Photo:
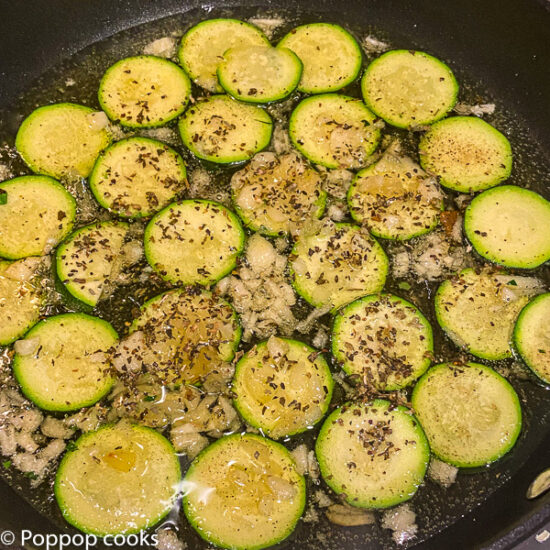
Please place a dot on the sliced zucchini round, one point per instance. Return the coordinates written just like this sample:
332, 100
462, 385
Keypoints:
85, 260
118, 480
282, 387
532, 336
466, 153
478, 312
67, 366
243, 492
409, 88
471, 415
202, 48
277, 194
259, 74
383, 339
223, 130
137, 176
37, 214
194, 242
375, 455
144, 91
187, 334
333, 130
336, 264
332, 58
20, 303
395, 198
61, 140
510, 226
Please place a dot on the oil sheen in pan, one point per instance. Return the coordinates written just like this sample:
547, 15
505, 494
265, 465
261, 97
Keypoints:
435, 507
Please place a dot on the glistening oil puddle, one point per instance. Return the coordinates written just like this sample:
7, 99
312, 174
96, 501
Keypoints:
435, 507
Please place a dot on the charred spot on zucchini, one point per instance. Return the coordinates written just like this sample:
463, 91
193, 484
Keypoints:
395, 198
203, 46
65, 366
250, 482
383, 339
282, 387
38, 213
119, 479
259, 74
470, 414
333, 130
337, 263
277, 194
144, 91
478, 310
85, 261
138, 176
185, 335
331, 56
509, 225
194, 242
408, 88
20, 302
223, 130
466, 154
532, 336
61, 140
374, 455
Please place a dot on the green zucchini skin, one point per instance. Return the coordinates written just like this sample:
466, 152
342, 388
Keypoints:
320, 46
340, 441
529, 336
378, 96
510, 226
461, 403
71, 124
41, 392
45, 213
87, 439
447, 148
212, 534
162, 91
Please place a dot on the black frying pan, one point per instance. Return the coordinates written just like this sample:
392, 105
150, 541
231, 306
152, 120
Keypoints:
499, 48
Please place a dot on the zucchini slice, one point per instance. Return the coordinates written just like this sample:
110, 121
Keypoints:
383, 339
136, 177
532, 336
478, 311
471, 415
194, 242
282, 387
20, 303
144, 91
408, 88
202, 48
223, 130
118, 480
259, 74
466, 153
336, 264
85, 260
395, 198
374, 455
243, 493
38, 213
335, 131
332, 58
61, 140
187, 334
277, 194
67, 367
510, 226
